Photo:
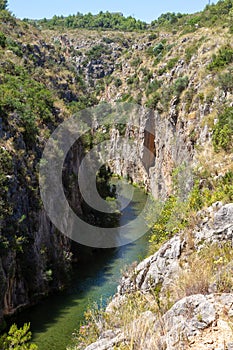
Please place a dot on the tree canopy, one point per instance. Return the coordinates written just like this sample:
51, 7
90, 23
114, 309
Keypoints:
3, 4
103, 20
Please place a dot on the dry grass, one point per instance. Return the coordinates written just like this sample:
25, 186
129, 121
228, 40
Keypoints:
131, 318
207, 271
195, 280
214, 163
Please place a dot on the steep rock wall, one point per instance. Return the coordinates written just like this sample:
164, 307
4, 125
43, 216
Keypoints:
169, 147
38, 262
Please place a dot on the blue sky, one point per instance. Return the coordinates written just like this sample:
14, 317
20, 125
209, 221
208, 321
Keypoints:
146, 10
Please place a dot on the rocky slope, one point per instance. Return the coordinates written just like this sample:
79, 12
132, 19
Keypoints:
198, 321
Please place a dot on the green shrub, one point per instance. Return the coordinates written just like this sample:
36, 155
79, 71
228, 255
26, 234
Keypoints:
108, 40
208, 190
223, 131
225, 81
171, 218
147, 74
166, 19
172, 62
222, 58
189, 52
97, 51
194, 20
152, 36
3, 4
158, 49
136, 62
133, 80
162, 70
118, 82
2, 40
152, 87
223, 7
17, 339
6, 17
125, 97
28, 100
180, 85
174, 215
153, 101
14, 47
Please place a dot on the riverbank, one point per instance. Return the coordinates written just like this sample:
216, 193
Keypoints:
178, 298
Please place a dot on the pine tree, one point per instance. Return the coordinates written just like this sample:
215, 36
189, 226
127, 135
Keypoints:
17, 339
3, 4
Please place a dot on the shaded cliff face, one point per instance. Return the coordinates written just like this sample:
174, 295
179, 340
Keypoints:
157, 149
41, 266
35, 257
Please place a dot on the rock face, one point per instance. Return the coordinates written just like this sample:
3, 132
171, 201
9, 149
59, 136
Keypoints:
198, 322
194, 322
188, 317
159, 268
159, 147
108, 342
42, 263
216, 225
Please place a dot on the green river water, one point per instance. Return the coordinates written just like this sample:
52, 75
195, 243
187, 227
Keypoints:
54, 319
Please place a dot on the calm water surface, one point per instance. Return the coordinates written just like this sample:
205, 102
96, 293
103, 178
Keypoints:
54, 319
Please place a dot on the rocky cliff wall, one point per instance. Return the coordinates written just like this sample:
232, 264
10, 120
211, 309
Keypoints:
35, 257
159, 147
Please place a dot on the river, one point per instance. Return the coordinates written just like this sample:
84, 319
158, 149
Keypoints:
54, 319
